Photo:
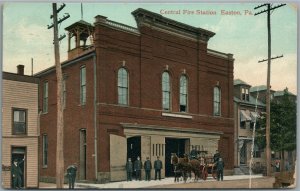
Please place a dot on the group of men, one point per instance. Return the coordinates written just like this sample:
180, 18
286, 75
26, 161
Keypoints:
137, 167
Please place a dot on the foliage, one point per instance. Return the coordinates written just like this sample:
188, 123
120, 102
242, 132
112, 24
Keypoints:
282, 127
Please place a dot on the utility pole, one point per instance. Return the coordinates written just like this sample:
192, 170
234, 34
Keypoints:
60, 111
268, 149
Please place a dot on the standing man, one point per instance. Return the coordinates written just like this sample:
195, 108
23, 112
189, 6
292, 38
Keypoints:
158, 167
138, 168
129, 167
220, 168
71, 172
193, 154
147, 167
17, 173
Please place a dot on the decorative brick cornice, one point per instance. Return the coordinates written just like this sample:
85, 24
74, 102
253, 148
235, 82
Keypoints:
145, 17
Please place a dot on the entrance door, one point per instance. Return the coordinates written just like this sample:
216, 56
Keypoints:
82, 169
243, 154
18, 153
173, 146
134, 147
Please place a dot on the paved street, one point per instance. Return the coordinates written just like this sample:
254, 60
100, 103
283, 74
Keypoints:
236, 181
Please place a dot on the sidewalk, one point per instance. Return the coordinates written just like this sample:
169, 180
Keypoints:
145, 184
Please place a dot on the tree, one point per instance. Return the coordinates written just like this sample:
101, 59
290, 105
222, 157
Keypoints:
282, 127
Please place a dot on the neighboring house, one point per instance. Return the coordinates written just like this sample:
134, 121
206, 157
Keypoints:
20, 127
247, 110
147, 91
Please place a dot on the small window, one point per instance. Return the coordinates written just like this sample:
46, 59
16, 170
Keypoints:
45, 150
243, 124
245, 94
83, 85
217, 101
45, 97
183, 93
166, 91
19, 121
123, 86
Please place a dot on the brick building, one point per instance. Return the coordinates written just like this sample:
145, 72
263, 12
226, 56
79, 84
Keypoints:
20, 128
147, 91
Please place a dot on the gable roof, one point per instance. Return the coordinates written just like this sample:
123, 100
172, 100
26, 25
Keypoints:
240, 82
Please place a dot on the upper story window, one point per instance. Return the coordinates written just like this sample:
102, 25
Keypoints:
19, 121
45, 97
82, 85
123, 86
245, 94
217, 101
166, 91
183, 93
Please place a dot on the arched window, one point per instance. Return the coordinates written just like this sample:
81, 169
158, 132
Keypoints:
166, 91
217, 101
183, 93
122, 86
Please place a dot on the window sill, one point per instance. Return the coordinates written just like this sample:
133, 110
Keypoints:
45, 166
176, 115
44, 113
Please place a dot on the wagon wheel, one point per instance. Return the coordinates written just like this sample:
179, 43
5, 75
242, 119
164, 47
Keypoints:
214, 172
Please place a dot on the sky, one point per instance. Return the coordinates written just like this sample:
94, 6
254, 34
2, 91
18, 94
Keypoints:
25, 34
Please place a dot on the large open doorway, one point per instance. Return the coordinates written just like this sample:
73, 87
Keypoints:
134, 148
19, 153
173, 145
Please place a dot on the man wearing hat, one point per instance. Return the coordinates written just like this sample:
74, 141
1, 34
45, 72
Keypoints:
137, 168
147, 167
129, 167
71, 172
17, 173
216, 156
158, 167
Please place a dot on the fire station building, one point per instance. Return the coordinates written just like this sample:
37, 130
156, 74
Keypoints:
147, 91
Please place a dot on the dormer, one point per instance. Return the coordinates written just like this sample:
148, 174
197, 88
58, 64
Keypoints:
80, 38
241, 90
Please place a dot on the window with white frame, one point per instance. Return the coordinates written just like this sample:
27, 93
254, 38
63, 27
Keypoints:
217, 101
45, 97
19, 121
83, 85
123, 86
245, 94
183, 93
45, 150
166, 91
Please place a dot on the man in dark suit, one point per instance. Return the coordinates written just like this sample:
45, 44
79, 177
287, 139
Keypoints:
220, 168
158, 167
129, 168
71, 171
148, 167
138, 168
17, 173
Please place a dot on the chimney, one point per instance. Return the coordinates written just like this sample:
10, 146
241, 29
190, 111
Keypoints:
20, 69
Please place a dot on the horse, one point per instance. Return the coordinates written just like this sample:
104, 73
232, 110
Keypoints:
181, 167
